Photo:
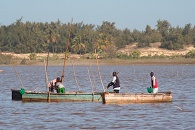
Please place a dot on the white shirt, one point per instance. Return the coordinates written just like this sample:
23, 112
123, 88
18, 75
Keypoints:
59, 85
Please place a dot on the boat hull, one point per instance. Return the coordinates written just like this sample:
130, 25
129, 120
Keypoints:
16, 95
29, 96
61, 97
120, 98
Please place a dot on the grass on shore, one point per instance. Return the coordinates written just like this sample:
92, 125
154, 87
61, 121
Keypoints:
88, 62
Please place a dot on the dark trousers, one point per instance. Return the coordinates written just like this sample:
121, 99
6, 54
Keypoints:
51, 89
116, 91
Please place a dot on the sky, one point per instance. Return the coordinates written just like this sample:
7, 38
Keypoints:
131, 14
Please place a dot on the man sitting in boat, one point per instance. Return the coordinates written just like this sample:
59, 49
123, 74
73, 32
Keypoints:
115, 82
154, 83
56, 84
59, 86
51, 85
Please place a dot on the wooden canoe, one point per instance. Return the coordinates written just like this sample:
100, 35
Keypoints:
29, 96
123, 98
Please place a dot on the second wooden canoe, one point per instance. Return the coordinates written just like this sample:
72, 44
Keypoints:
123, 98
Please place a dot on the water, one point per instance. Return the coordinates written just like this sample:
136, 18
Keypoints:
180, 114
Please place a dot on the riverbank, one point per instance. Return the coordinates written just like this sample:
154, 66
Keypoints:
102, 62
152, 55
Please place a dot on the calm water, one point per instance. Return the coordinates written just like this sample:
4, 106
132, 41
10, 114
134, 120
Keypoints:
180, 114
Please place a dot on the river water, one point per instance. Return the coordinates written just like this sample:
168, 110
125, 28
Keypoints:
179, 114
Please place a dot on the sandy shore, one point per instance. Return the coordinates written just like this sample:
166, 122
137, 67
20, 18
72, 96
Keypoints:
75, 59
104, 62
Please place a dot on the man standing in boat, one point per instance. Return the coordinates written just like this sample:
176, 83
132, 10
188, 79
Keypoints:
115, 82
154, 83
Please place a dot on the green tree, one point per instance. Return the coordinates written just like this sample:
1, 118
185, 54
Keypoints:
78, 46
163, 28
102, 42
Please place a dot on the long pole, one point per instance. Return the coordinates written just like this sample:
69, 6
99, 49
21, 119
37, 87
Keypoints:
65, 54
18, 77
46, 72
99, 71
46, 76
91, 85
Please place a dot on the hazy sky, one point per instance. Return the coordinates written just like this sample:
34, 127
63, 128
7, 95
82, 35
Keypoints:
129, 14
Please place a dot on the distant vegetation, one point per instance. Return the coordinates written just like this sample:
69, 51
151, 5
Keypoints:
5, 59
32, 37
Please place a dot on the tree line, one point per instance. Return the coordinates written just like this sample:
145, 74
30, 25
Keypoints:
38, 37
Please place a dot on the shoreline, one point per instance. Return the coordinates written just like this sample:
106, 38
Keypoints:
104, 62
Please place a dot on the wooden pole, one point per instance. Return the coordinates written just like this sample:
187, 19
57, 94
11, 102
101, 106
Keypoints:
18, 77
99, 72
46, 76
91, 85
46, 72
65, 54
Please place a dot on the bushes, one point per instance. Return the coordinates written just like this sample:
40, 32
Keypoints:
23, 62
133, 55
190, 54
32, 56
5, 59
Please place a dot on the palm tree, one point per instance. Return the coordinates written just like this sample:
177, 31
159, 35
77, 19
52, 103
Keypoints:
103, 42
78, 46
51, 37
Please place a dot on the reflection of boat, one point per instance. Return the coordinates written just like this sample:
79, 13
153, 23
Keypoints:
120, 98
29, 96
1, 70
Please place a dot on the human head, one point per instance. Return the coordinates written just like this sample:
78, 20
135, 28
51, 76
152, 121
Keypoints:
58, 79
151, 74
114, 74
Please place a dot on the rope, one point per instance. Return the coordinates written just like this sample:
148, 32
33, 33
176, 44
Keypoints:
75, 75
91, 84
92, 77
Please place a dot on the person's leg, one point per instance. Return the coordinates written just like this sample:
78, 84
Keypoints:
116, 91
52, 89
155, 90
63, 90
58, 90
